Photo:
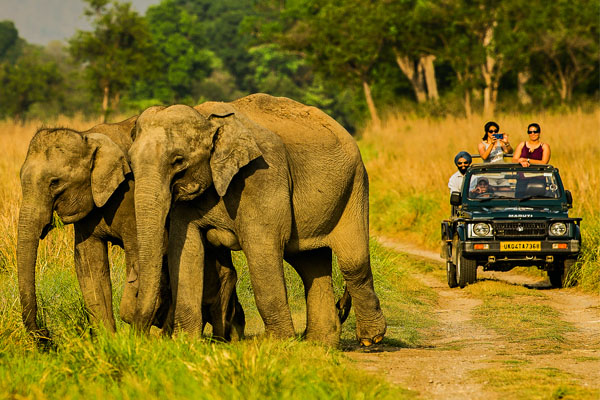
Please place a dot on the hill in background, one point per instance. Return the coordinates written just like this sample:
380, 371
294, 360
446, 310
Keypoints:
41, 21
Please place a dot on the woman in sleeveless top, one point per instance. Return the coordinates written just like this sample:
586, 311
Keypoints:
532, 151
492, 148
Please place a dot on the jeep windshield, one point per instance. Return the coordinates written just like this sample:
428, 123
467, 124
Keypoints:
512, 184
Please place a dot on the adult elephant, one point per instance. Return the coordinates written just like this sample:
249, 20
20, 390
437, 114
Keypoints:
266, 175
85, 177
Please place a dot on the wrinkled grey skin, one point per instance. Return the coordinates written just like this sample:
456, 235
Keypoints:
85, 177
266, 175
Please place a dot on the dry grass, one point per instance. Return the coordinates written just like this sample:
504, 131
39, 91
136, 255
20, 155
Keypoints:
419, 153
411, 159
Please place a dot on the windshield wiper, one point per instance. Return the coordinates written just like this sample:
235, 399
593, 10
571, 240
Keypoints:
536, 197
494, 198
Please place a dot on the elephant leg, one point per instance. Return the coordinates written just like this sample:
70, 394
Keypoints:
186, 270
351, 247
211, 300
130, 287
231, 309
227, 308
93, 273
265, 264
314, 268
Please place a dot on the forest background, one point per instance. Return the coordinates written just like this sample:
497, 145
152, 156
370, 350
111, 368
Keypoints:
357, 60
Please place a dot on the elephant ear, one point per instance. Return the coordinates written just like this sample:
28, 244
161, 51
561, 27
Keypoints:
108, 167
233, 147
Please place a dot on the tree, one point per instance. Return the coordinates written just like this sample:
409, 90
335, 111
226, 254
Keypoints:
119, 50
409, 32
10, 44
183, 59
341, 40
26, 82
566, 49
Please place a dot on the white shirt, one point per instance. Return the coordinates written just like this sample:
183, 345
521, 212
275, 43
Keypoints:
455, 182
496, 155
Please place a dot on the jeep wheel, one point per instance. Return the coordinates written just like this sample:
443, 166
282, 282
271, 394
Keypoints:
451, 274
466, 270
558, 275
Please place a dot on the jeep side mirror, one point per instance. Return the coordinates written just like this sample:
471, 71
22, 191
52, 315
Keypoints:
455, 198
569, 198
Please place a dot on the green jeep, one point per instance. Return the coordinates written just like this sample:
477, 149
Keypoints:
507, 216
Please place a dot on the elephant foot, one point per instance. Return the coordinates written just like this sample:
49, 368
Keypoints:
370, 329
365, 342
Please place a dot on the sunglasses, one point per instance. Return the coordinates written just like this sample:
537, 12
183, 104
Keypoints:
482, 184
463, 163
493, 131
532, 132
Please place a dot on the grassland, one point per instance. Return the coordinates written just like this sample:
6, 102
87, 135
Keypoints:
82, 365
410, 160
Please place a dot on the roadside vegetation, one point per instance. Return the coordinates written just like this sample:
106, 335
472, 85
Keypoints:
409, 198
79, 364
410, 160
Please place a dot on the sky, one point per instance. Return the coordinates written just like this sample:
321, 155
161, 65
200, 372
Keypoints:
42, 21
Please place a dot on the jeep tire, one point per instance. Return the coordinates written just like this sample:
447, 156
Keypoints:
559, 273
451, 274
466, 269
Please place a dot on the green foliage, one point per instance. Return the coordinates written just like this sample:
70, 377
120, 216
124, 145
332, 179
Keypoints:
10, 45
118, 51
182, 61
322, 53
29, 80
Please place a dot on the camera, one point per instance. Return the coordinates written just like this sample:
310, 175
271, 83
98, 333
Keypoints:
498, 135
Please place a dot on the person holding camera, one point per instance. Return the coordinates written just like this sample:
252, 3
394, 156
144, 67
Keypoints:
494, 144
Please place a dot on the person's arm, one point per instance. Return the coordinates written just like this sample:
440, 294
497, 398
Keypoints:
482, 150
545, 155
506, 147
517, 154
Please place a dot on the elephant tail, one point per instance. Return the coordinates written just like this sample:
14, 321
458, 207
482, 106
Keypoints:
343, 305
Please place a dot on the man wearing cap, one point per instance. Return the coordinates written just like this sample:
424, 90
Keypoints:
462, 161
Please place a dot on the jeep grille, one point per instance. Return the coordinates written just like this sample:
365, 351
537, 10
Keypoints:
520, 229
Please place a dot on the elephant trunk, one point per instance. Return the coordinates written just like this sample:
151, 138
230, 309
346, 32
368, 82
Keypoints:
152, 204
32, 223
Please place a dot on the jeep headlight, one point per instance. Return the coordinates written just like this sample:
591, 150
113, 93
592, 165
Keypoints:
482, 229
558, 229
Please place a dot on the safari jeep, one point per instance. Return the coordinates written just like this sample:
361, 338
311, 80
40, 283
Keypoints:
520, 219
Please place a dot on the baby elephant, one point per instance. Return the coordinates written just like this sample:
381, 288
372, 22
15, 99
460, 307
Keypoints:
85, 178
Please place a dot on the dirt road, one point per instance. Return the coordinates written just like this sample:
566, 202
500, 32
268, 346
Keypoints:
444, 367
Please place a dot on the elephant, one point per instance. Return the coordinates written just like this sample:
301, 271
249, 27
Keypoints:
266, 175
85, 178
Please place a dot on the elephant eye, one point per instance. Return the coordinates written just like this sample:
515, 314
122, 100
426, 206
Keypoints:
54, 182
177, 160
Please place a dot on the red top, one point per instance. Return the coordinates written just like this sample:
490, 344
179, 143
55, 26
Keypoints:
535, 154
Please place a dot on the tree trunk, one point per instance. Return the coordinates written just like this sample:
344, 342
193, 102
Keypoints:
371, 104
522, 79
468, 111
487, 71
407, 66
426, 65
116, 100
105, 98
461, 79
